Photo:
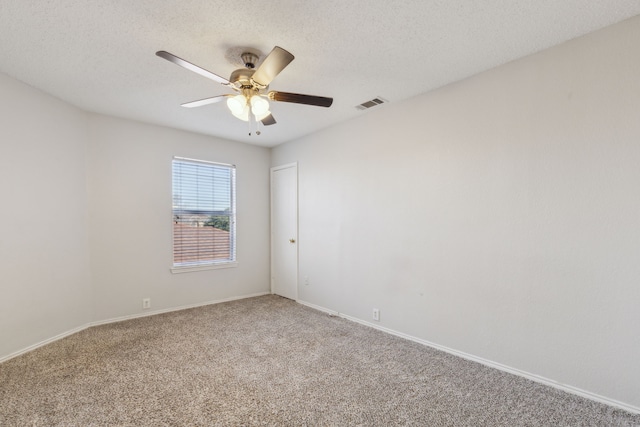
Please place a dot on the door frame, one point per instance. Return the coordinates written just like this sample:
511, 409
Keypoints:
271, 219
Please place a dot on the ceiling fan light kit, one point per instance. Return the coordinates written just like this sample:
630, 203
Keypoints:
240, 107
252, 101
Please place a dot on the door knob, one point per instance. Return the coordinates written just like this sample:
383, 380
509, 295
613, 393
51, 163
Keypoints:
292, 240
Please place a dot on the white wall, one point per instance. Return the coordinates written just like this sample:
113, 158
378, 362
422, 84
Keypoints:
85, 220
130, 218
497, 216
44, 246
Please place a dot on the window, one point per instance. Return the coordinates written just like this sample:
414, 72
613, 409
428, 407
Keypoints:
203, 215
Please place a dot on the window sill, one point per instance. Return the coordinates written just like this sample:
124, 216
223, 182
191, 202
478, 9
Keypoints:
190, 268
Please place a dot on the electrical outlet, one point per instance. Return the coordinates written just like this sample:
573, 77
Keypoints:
146, 303
306, 280
376, 314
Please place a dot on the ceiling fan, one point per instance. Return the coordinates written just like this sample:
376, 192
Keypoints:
250, 102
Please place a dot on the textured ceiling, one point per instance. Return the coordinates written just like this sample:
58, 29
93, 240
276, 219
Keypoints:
100, 55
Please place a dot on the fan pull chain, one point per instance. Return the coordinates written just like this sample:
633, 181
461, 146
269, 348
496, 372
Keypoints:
252, 119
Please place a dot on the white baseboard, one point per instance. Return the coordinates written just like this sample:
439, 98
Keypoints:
319, 308
169, 310
486, 362
41, 343
120, 319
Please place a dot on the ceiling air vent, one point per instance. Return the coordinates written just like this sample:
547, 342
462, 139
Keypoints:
375, 101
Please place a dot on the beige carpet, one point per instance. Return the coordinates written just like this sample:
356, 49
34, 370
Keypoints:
268, 361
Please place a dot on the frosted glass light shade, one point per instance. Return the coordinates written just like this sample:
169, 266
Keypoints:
237, 104
259, 105
243, 114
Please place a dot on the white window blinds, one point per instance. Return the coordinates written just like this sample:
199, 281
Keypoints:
203, 213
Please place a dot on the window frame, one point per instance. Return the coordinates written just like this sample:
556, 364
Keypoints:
184, 267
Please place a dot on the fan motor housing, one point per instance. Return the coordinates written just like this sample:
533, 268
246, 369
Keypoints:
242, 76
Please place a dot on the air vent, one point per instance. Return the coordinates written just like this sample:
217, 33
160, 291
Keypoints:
375, 101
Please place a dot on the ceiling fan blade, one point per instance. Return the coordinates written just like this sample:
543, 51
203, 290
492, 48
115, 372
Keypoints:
271, 66
269, 120
205, 101
189, 66
318, 101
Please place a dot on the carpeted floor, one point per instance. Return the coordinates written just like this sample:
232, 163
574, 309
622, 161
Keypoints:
268, 361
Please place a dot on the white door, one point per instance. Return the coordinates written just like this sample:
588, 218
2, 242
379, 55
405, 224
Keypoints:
284, 231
